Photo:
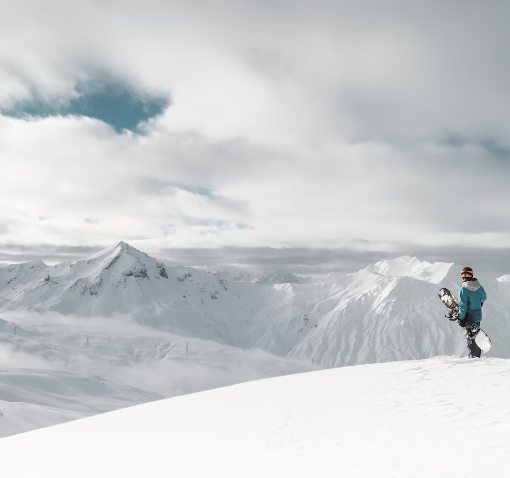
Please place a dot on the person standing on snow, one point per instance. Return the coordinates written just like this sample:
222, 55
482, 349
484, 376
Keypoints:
471, 298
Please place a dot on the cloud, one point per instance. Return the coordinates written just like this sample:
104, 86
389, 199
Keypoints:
51, 254
155, 186
306, 261
340, 127
318, 71
488, 262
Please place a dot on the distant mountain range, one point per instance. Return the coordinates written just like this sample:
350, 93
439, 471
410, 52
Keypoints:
388, 311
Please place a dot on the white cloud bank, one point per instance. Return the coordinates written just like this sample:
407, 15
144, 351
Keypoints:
292, 124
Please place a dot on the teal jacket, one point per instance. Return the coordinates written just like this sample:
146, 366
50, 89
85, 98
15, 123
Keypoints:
471, 298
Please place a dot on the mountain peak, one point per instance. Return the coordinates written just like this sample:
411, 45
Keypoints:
121, 246
124, 259
279, 277
35, 264
407, 266
118, 248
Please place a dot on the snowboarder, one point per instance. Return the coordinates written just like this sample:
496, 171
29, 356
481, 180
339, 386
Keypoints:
471, 298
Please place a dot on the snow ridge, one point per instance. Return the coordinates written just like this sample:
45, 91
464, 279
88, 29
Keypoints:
407, 266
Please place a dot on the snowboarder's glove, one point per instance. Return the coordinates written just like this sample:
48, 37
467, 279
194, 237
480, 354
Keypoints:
462, 322
452, 316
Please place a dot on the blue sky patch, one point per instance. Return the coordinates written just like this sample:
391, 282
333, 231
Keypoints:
493, 146
114, 102
215, 223
154, 186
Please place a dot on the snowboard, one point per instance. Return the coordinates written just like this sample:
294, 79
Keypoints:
481, 338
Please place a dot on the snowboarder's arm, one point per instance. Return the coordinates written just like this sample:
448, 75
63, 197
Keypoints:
484, 296
463, 303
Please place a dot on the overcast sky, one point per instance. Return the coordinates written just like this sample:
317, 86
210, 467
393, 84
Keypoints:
304, 135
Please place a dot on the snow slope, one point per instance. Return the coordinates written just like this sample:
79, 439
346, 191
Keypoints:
32, 398
440, 417
59, 368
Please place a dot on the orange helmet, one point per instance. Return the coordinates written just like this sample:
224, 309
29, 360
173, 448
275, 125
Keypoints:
467, 272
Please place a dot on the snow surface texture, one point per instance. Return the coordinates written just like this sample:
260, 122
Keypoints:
439, 417
158, 331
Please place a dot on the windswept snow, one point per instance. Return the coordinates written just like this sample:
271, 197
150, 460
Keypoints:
505, 278
440, 417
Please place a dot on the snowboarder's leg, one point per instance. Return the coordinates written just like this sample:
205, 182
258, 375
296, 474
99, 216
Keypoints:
473, 349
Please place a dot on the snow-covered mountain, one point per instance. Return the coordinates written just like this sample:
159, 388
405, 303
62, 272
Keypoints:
407, 266
268, 277
280, 278
440, 417
144, 330
388, 311
123, 280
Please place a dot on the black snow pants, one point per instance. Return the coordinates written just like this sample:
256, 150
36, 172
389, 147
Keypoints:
471, 330
473, 349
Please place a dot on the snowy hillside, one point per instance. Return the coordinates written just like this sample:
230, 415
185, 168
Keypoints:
403, 419
55, 368
34, 398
